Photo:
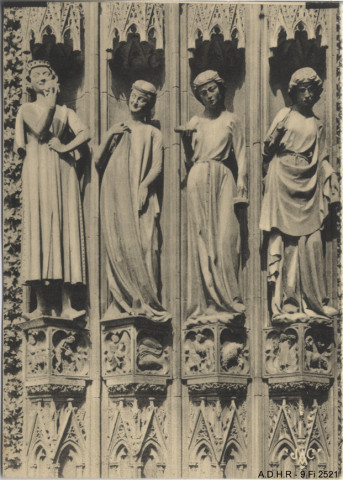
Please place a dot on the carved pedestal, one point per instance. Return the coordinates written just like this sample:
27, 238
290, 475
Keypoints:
298, 364
136, 363
56, 367
299, 353
215, 353
216, 371
135, 351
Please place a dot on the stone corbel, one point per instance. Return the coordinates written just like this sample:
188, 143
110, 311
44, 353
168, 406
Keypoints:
299, 357
55, 356
136, 355
216, 358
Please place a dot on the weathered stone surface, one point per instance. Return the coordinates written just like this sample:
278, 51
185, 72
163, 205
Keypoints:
226, 390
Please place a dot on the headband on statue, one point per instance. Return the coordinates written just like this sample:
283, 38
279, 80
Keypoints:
207, 77
305, 75
146, 88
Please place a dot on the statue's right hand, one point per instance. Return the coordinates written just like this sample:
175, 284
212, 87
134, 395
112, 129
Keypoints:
51, 96
119, 128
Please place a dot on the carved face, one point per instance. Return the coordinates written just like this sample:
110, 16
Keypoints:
210, 94
40, 78
305, 95
138, 101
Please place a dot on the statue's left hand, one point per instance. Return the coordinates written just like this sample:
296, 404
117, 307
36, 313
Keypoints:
142, 196
55, 144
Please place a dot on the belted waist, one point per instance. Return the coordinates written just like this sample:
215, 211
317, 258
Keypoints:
307, 156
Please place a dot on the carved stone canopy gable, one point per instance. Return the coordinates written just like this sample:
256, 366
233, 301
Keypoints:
55, 426
297, 433
54, 32
134, 40
205, 20
294, 18
298, 38
216, 39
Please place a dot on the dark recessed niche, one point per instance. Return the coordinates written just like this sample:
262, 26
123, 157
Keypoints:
223, 56
295, 53
134, 59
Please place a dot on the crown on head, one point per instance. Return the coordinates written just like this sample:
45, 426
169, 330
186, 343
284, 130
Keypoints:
38, 63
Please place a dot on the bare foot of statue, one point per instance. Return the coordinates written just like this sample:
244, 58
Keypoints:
329, 311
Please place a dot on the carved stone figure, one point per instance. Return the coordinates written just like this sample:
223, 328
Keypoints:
64, 353
131, 157
213, 229
282, 352
199, 352
299, 186
70, 353
150, 354
37, 353
318, 352
52, 227
117, 352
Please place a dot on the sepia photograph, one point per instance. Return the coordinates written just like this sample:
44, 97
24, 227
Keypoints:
171, 239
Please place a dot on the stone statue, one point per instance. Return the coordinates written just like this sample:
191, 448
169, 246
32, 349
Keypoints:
52, 227
213, 291
131, 158
299, 185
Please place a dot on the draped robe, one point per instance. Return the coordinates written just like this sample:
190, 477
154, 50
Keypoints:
131, 237
213, 229
52, 226
298, 190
